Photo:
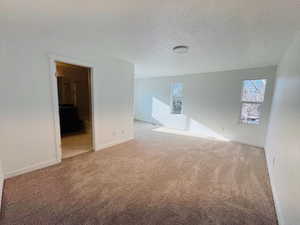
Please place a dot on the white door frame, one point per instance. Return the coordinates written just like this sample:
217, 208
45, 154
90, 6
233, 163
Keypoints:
55, 103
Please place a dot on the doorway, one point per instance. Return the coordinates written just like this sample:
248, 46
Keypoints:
75, 108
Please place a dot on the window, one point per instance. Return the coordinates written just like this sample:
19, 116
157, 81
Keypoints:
176, 98
253, 94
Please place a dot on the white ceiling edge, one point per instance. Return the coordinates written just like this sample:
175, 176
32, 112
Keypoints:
136, 76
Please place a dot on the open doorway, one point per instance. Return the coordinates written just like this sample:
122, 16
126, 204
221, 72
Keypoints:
75, 108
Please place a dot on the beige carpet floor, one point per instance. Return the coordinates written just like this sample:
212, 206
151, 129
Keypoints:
156, 179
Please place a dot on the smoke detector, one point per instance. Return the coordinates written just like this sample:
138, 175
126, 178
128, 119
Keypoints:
181, 49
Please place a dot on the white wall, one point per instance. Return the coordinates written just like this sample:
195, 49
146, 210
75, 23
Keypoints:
283, 139
27, 127
211, 103
1, 150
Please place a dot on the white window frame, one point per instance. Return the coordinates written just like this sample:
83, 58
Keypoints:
251, 102
172, 97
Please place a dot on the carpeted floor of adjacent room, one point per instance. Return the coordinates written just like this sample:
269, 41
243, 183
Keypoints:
156, 179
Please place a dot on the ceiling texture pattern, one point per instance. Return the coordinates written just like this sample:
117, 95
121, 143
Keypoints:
221, 35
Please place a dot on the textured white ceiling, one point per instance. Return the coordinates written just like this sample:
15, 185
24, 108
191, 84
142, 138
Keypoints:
221, 34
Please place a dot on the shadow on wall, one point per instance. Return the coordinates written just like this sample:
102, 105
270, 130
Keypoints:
180, 124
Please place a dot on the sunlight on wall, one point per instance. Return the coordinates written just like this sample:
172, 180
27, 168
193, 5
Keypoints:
180, 124
203, 131
161, 112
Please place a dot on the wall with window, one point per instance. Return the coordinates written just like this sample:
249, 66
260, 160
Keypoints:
211, 104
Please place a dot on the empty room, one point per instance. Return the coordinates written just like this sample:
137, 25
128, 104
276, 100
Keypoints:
150, 112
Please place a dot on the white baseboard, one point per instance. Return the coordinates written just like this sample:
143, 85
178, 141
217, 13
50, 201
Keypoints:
110, 144
22, 171
50, 163
31, 168
145, 121
55, 161
275, 196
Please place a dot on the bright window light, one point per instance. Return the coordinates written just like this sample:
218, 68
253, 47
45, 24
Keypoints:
176, 98
253, 94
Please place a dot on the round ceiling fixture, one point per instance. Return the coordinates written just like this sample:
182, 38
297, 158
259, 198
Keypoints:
181, 49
